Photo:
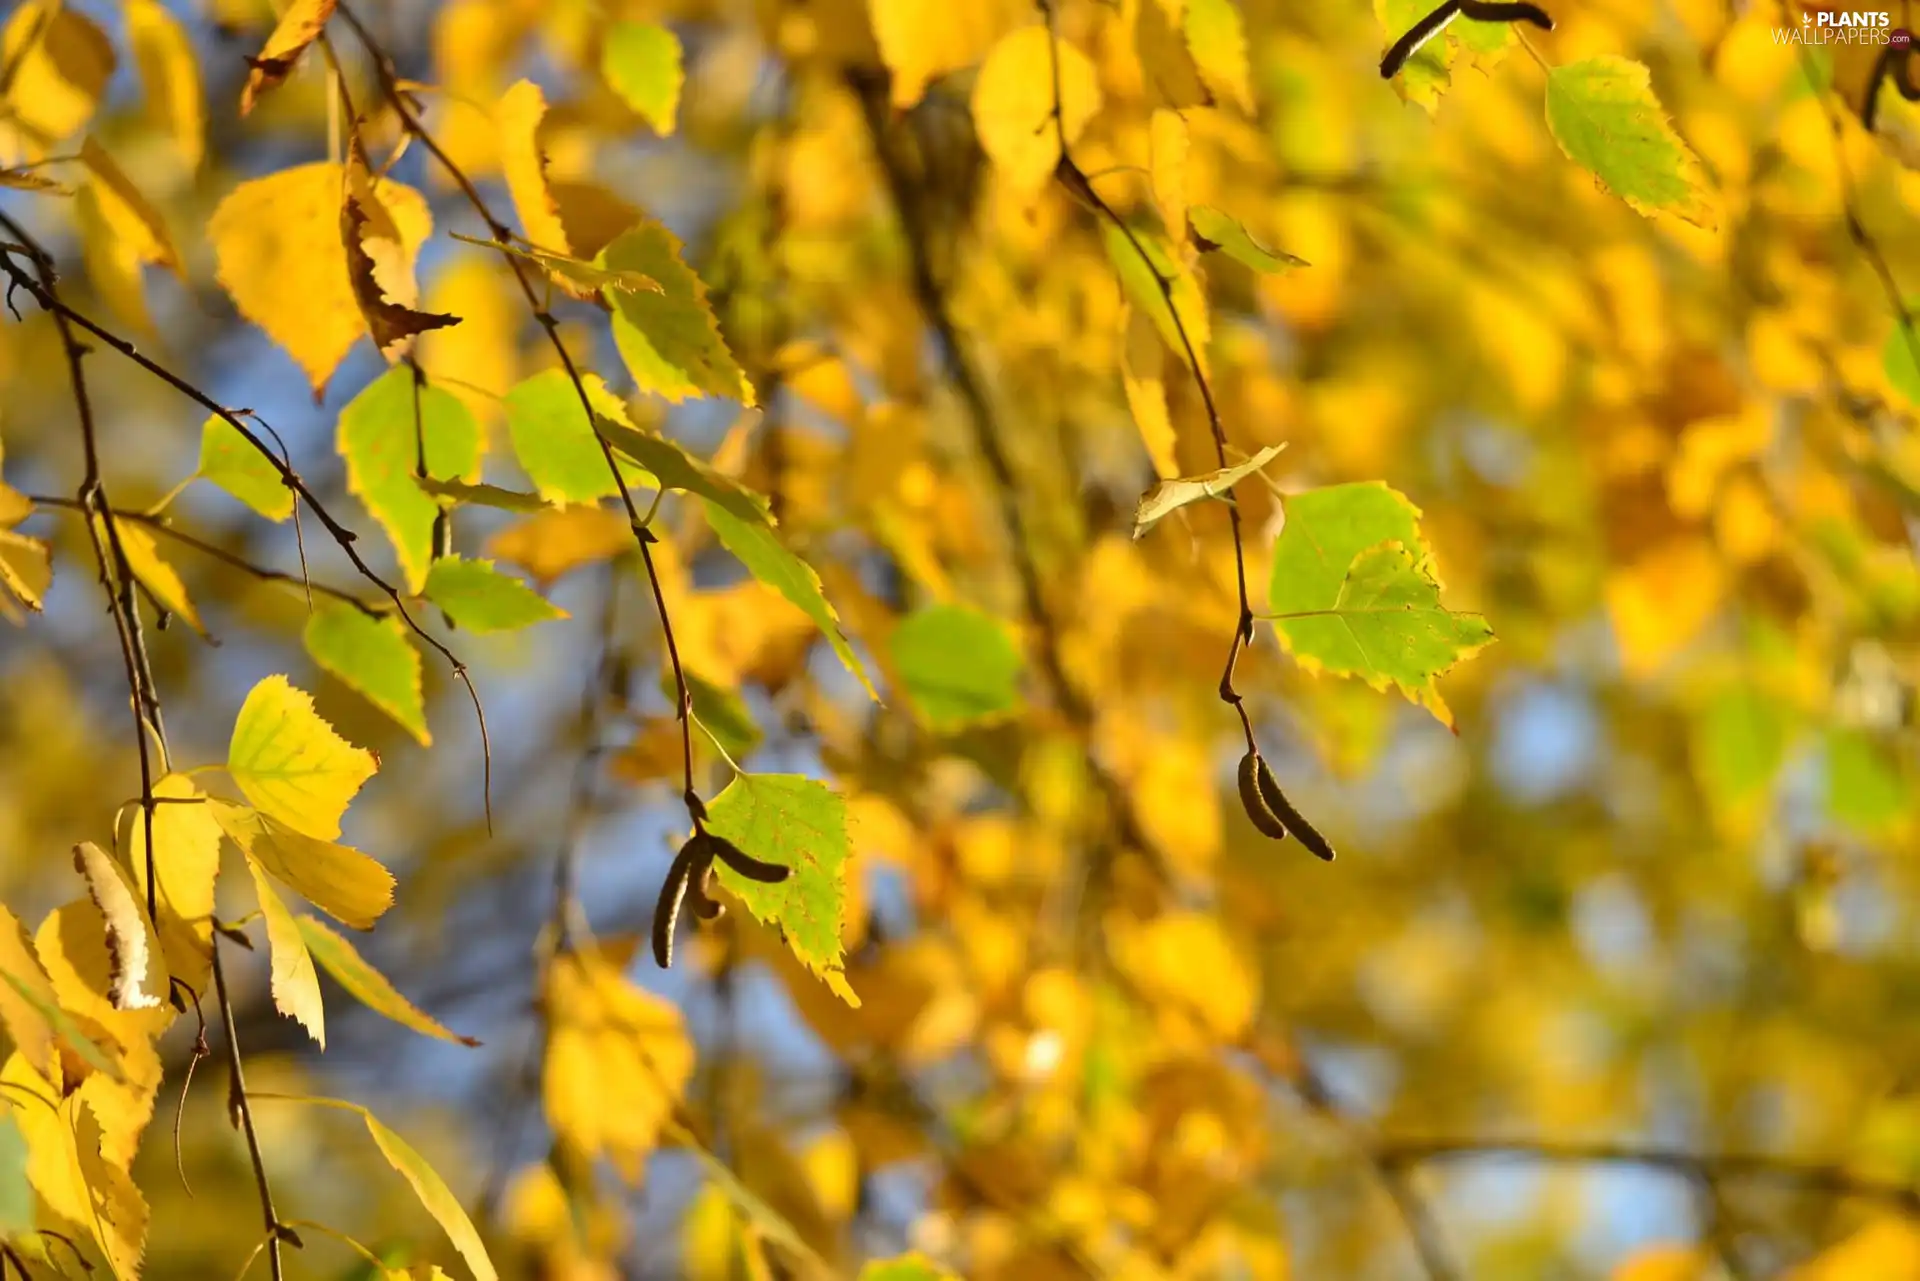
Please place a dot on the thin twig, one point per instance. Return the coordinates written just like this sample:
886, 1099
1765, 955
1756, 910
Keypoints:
240, 1103
160, 525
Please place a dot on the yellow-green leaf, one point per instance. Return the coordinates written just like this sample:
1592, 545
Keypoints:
230, 462
373, 656
670, 340
555, 441
1605, 117
291, 764
367, 985
1150, 272
186, 863
641, 63
1224, 233
482, 599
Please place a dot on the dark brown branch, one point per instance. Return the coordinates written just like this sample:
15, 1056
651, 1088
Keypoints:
239, 1103
1435, 22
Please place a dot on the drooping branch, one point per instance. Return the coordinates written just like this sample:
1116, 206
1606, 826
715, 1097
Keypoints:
644, 537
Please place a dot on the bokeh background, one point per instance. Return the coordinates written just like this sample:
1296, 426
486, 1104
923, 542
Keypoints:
1657, 891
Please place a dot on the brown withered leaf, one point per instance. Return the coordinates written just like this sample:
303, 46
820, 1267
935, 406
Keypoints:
377, 268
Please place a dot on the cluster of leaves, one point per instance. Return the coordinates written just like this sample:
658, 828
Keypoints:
1013, 720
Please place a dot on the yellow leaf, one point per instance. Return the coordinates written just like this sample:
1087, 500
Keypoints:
280, 255
552, 544
1217, 39
1184, 962
291, 764
138, 978
342, 882
1662, 601
1663, 1263
1167, 148
367, 985
427, 1185
26, 994
142, 550
169, 76
61, 63
120, 232
519, 114
26, 571
1887, 1249
126, 211
618, 1059
66, 1166
186, 860
1013, 104
299, 26
380, 268
73, 947
478, 360
920, 42
296, 987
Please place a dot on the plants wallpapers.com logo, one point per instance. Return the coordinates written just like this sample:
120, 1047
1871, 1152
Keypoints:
1844, 26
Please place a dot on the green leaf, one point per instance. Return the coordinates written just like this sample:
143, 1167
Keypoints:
1352, 597
767, 558
1168, 496
581, 279
1741, 742
1902, 372
482, 599
1865, 789
641, 63
365, 984
554, 440
373, 657
959, 666
484, 495
674, 468
908, 1267
802, 824
1224, 233
16, 1194
1143, 259
427, 1185
229, 461
669, 340
1604, 115
381, 444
